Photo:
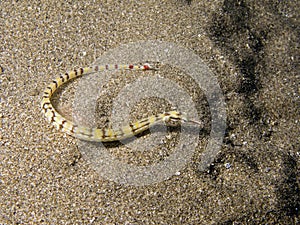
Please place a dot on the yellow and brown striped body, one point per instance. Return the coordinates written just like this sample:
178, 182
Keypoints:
104, 134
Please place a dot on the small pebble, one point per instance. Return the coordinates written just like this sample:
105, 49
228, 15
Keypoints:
227, 165
267, 169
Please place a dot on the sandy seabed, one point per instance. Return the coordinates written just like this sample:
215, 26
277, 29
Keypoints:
252, 48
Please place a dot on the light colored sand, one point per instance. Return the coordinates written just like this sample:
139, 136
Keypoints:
44, 179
